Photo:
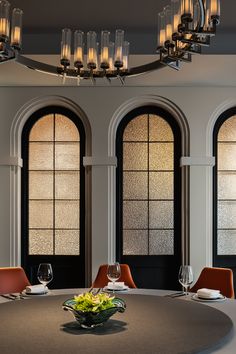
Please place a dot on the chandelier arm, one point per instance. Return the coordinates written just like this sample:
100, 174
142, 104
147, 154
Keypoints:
36, 65
141, 69
71, 73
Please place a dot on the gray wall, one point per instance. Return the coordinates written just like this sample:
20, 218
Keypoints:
200, 105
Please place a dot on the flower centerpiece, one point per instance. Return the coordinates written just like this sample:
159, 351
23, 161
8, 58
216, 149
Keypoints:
93, 310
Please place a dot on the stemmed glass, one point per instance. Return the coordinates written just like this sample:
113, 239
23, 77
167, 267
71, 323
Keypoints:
185, 277
113, 273
45, 274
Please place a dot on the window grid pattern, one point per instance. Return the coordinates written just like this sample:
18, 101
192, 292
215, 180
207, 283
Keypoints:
54, 186
148, 187
226, 188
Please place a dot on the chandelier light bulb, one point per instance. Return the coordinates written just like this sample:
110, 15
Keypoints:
78, 49
105, 40
187, 10
91, 50
161, 30
126, 55
4, 20
119, 41
16, 30
111, 55
66, 47
175, 15
168, 18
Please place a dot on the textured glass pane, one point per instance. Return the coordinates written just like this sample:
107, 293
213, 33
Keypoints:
42, 130
135, 156
226, 214
135, 242
67, 156
161, 242
226, 156
67, 242
40, 242
40, 156
65, 129
67, 185
135, 185
226, 242
226, 185
161, 156
40, 214
227, 131
135, 215
160, 214
67, 214
161, 185
159, 129
137, 129
40, 185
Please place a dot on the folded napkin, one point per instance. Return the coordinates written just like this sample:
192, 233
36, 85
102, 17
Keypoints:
119, 285
36, 289
208, 293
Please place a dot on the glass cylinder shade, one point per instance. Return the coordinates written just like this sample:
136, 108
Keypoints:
105, 40
66, 47
78, 49
168, 18
111, 55
91, 49
16, 30
119, 41
187, 9
4, 20
161, 30
175, 15
214, 9
126, 55
195, 15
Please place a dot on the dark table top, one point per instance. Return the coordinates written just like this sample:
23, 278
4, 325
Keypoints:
150, 324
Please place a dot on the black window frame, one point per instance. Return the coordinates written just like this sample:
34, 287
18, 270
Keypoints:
147, 260
224, 261
56, 259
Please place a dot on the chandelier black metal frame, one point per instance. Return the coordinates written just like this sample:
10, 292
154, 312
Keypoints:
184, 27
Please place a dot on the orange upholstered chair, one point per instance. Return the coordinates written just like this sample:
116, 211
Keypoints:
102, 280
216, 278
12, 280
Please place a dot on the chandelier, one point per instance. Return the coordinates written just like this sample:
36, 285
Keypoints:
184, 27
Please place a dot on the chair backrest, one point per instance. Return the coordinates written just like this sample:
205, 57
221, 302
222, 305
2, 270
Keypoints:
216, 278
12, 280
126, 276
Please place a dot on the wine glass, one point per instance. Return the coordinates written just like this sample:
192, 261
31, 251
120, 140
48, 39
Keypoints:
113, 273
45, 274
185, 277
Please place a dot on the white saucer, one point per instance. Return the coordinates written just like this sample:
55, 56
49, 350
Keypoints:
35, 294
125, 288
217, 299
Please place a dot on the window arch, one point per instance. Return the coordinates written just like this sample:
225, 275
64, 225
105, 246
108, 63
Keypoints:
148, 147
224, 217
53, 194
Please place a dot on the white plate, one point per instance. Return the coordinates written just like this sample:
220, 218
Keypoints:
125, 288
35, 294
200, 299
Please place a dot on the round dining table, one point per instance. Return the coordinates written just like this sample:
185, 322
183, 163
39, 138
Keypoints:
152, 323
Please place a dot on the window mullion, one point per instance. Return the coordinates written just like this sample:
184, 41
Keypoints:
54, 211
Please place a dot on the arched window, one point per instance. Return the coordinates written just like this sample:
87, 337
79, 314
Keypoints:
148, 196
53, 200
225, 190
